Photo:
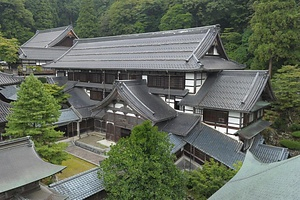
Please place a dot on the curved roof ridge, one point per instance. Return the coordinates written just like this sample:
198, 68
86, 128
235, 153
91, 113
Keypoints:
54, 29
154, 34
54, 41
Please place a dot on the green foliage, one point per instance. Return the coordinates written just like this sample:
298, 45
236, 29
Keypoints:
296, 134
227, 13
176, 18
42, 13
131, 16
286, 85
142, 167
276, 29
236, 45
8, 49
294, 145
68, 11
202, 183
295, 127
15, 20
33, 114
57, 92
85, 24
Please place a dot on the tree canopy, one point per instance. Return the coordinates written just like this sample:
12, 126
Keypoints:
8, 49
285, 110
142, 167
204, 182
85, 24
276, 33
15, 20
176, 18
33, 114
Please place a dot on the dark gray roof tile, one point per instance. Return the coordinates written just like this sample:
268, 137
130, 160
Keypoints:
4, 111
256, 180
9, 92
45, 54
215, 144
267, 153
21, 153
175, 50
173, 92
253, 129
67, 116
177, 141
136, 94
9, 79
180, 125
237, 90
49, 37
79, 98
80, 186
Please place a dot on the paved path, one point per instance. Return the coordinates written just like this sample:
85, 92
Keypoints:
85, 154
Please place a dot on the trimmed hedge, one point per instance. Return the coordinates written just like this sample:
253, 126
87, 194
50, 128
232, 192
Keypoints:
294, 145
296, 134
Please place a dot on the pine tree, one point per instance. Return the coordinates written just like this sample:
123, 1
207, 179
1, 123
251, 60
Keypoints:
15, 20
33, 114
42, 13
86, 25
142, 167
276, 34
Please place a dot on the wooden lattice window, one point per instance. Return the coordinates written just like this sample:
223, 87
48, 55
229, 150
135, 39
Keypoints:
215, 116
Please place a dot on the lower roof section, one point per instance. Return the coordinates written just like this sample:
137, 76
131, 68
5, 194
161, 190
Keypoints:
216, 144
80, 186
253, 129
180, 125
21, 164
256, 180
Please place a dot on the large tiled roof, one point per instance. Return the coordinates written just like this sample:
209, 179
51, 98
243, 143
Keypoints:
45, 54
49, 37
135, 93
237, 90
21, 165
181, 125
81, 102
9, 79
79, 98
174, 50
173, 92
80, 186
67, 116
9, 92
253, 129
4, 111
267, 153
177, 141
256, 180
215, 144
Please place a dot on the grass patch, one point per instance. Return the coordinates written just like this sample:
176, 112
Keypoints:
74, 166
296, 134
294, 145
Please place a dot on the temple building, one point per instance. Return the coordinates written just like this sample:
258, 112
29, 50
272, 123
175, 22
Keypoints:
21, 171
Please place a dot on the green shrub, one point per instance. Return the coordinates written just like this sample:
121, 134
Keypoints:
296, 134
290, 144
294, 127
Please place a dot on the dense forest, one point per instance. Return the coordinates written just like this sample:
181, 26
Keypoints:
262, 34
245, 23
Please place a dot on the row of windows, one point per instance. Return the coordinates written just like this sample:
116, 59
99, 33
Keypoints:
158, 81
99, 78
215, 116
164, 81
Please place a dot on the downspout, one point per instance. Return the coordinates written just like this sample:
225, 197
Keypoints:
78, 122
